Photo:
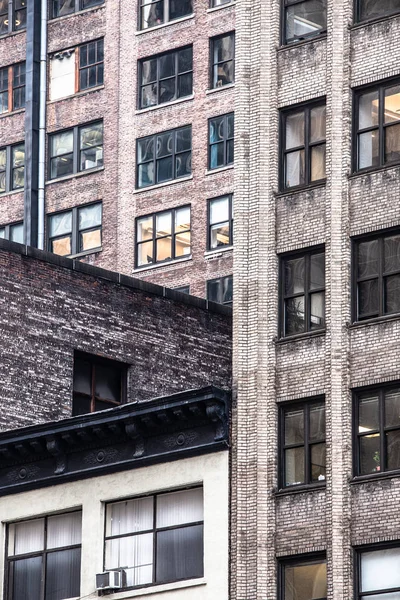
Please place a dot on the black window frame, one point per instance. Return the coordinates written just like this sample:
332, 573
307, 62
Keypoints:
357, 14
174, 154
8, 230
381, 276
297, 560
154, 238
305, 405
358, 552
154, 531
98, 65
175, 52
306, 253
79, 6
75, 229
15, 77
11, 168
76, 150
220, 281
212, 3
226, 141
285, 4
210, 225
39, 553
11, 16
214, 65
165, 11
305, 107
380, 390
379, 87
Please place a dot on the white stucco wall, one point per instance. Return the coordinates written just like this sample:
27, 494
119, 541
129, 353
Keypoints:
91, 494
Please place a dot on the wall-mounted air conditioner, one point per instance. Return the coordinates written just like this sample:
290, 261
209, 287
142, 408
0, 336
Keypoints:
109, 580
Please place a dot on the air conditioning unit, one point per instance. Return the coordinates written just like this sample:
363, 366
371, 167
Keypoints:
109, 580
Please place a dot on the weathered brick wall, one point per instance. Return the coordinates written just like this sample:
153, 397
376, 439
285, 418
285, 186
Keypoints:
49, 310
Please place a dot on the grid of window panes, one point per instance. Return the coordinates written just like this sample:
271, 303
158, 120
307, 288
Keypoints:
303, 292
44, 558
305, 580
74, 231
12, 15
379, 574
378, 430
91, 64
222, 60
378, 276
303, 459
18, 91
374, 9
60, 8
157, 12
13, 232
97, 384
77, 149
156, 539
166, 77
12, 88
4, 90
220, 290
220, 219
164, 157
221, 143
304, 146
163, 236
303, 19
378, 126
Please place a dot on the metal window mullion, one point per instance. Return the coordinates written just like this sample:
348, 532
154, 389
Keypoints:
10, 15
173, 233
9, 169
74, 232
77, 5
76, 150
176, 74
166, 11
10, 89
230, 219
174, 152
307, 299
307, 149
307, 448
154, 537
158, 87
381, 290
381, 128
382, 445
154, 238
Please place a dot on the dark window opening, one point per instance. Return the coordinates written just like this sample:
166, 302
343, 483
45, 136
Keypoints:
12, 88
303, 579
222, 54
157, 12
12, 168
76, 150
13, 232
367, 10
303, 19
61, 8
220, 222
220, 290
221, 141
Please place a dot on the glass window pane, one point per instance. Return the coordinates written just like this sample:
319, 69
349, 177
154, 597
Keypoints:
179, 554
370, 456
183, 164
368, 259
184, 139
146, 149
220, 235
368, 298
134, 552
89, 240
392, 143
368, 413
224, 48
317, 422
368, 110
219, 210
182, 219
294, 466
372, 9
393, 450
392, 253
165, 170
217, 157
90, 216
82, 376
130, 516
26, 576
294, 426
63, 574
318, 124
64, 530
144, 229
181, 507
305, 19
145, 253
318, 462
167, 90
17, 233
368, 149
61, 246
27, 536
60, 224
294, 129
146, 175
294, 276
180, 8
164, 249
317, 319
216, 131
295, 171
182, 244
62, 166
18, 155
185, 85
149, 70
167, 65
163, 224
91, 136
164, 144
62, 143
108, 383
392, 104
318, 162
317, 275
306, 581
380, 570
392, 408
392, 294
294, 316
185, 60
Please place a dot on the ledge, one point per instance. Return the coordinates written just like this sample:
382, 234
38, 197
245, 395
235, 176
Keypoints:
301, 189
142, 111
74, 175
220, 170
151, 266
300, 489
156, 186
301, 336
315, 38
162, 25
12, 113
216, 252
226, 5
97, 88
374, 321
156, 589
372, 170
374, 477
77, 13
367, 22
228, 86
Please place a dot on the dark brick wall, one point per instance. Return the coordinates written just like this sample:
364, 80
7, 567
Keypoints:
49, 310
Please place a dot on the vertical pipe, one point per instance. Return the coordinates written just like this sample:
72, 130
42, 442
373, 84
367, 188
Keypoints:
42, 124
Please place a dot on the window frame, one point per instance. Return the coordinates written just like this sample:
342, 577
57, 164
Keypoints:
380, 236
210, 225
223, 3
10, 168
380, 390
12, 87
75, 231
79, 7
304, 404
166, 11
157, 57
297, 560
212, 64
224, 277
154, 531
225, 141
306, 107
76, 150
358, 551
12, 10
8, 230
312, 36
76, 51
357, 12
306, 253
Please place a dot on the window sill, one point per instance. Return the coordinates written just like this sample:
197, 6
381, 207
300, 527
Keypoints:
12, 192
86, 253
228, 86
219, 170
301, 188
157, 27
215, 8
358, 479
154, 589
161, 185
296, 44
217, 252
142, 111
12, 33
370, 170
77, 94
74, 176
301, 336
175, 261
299, 489
78, 12
374, 321
367, 22
12, 113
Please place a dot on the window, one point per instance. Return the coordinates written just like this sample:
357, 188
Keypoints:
12, 168
377, 264
373, 9
60, 8
184, 289
377, 122
163, 236
157, 538
303, 145
13, 232
378, 573
12, 15
303, 579
77, 149
303, 292
214, 3
44, 557
164, 157
377, 417
99, 384
220, 141
303, 452
303, 19
220, 290
12, 88
222, 50
157, 12
220, 222
74, 231
77, 69
166, 77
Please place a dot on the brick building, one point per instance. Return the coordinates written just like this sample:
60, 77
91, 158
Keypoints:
116, 136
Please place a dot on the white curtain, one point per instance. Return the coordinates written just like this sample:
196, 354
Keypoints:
177, 508
64, 530
27, 536
380, 570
